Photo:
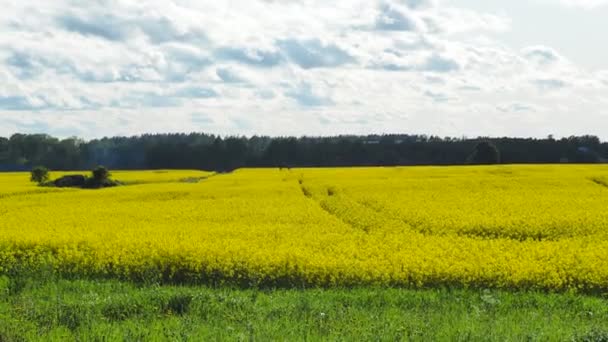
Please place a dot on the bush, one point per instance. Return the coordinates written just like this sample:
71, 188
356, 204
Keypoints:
92, 183
70, 181
100, 179
39, 174
101, 174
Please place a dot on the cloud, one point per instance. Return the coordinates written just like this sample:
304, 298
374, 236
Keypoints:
603, 77
516, 107
265, 94
182, 61
127, 67
250, 56
418, 4
107, 26
17, 103
585, 4
229, 75
470, 88
549, 84
422, 62
24, 65
28, 66
313, 53
392, 17
201, 118
29, 126
439, 63
305, 96
541, 55
450, 20
195, 92
33, 64
162, 30
241, 123
148, 100
114, 28
392, 67
47, 99
436, 96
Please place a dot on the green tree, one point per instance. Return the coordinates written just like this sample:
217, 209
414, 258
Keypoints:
4, 150
485, 152
101, 174
39, 174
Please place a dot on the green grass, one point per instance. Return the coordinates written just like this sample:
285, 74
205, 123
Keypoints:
87, 310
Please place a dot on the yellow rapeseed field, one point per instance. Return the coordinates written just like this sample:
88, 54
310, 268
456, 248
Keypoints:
539, 227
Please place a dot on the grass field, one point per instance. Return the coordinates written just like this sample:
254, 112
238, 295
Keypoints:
84, 310
503, 252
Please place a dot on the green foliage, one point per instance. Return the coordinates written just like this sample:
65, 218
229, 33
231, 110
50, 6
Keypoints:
93, 183
100, 178
70, 181
210, 152
485, 152
100, 174
39, 174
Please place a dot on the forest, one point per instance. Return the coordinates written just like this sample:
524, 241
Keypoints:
21, 152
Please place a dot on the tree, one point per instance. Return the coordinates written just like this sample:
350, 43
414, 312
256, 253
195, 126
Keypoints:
39, 174
586, 155
4, 150
101, 174
485, 152
21, 152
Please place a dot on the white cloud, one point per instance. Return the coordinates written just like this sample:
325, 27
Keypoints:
230, 75
542, 55
516, 107
586, 4
306, 96
112, 67
393, 17
459, 20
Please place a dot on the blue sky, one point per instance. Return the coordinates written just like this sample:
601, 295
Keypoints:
304, 67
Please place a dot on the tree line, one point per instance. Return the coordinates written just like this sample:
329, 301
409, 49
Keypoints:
212, 152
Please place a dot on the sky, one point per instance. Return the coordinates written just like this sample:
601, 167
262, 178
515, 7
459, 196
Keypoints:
304, 67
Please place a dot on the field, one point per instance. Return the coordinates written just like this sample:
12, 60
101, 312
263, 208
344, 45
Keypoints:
497, 235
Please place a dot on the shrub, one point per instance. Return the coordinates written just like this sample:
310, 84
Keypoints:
70, 181
101, 174
100, 179
39, 174
92, 183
